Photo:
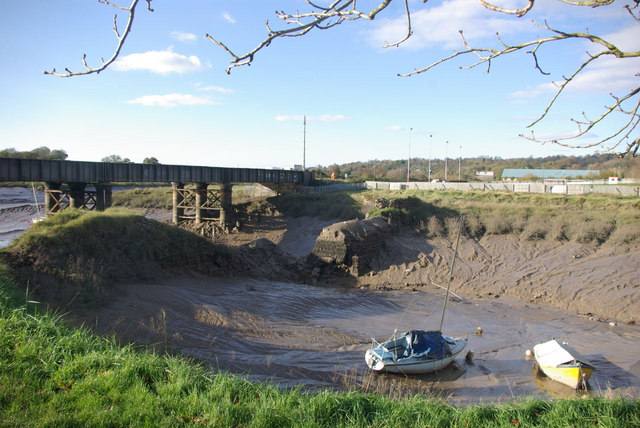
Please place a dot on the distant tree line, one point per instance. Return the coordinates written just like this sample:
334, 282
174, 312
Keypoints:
39, 153
120, 159
465, 169
47, 154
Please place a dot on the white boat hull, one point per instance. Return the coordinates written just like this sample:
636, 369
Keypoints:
380, 359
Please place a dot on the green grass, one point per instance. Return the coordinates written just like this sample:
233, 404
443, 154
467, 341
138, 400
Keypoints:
53, 375
146, 197
337, 205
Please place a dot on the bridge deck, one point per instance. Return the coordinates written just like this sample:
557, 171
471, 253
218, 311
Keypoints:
101, 172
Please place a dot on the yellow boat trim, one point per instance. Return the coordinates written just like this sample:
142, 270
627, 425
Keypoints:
573, 376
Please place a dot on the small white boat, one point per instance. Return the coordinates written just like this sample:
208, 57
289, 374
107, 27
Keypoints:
414, 352
418, 351
563, 363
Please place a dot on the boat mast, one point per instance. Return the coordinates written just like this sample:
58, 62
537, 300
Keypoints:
453, 262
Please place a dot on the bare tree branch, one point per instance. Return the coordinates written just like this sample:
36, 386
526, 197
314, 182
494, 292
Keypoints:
517, 12
339, 10
121, 40
409, 31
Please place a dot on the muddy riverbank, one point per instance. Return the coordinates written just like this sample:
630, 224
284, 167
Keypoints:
520, 292
302, 335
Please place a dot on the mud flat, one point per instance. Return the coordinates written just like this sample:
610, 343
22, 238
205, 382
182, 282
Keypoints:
296, 334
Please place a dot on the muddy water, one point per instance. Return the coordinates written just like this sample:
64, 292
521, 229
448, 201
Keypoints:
294, 334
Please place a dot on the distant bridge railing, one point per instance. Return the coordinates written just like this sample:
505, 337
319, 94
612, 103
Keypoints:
102, 172
510, 186
329, 188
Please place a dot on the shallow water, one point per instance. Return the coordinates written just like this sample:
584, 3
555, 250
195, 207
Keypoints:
294, 334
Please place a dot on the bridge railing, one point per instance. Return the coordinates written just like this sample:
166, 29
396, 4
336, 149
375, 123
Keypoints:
101, 172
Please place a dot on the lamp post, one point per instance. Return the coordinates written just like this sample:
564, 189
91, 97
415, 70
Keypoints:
409, 159
430, 158
460, 164
445, 160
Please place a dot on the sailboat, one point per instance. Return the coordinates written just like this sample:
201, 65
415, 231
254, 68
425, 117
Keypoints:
418, 351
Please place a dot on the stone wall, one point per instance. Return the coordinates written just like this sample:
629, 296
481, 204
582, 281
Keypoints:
348, 246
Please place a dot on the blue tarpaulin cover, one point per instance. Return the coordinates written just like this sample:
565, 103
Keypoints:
419, 341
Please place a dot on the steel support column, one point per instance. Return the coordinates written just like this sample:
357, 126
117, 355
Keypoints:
76, 195
52, 197
201, 201
226, 208
103, 196
178, 212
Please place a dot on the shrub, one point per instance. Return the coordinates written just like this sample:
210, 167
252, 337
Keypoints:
536, 229
497, 224
594, 232
625, 234
559, 230
435, 227
473, 227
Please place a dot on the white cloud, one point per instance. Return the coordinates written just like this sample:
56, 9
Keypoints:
171, 100
321, 118
227, 17
215, 89
439, 26
395, 128
161, 62
181, 36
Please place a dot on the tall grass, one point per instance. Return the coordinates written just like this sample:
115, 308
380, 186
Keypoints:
595, 219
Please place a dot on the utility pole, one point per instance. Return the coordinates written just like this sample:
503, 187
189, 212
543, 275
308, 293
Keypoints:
430, 158
409, 159
304, 141
460, 164
445, 160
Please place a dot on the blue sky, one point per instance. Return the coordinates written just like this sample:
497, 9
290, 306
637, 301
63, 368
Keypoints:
169, 96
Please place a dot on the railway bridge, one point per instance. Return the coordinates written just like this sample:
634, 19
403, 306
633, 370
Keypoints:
199, 192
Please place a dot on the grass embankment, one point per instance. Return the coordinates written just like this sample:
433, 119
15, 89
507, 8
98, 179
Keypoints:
592, 218
52, 375
87, 251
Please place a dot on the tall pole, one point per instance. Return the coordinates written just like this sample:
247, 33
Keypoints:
304, 141
460, 164
409, 159
445, 161
453, 263
430, 158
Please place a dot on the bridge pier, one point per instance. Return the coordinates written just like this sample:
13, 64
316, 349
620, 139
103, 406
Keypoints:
178, 198
56, 198
104, 196
226, 208
52, 198
76, 195
201, 202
